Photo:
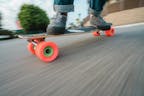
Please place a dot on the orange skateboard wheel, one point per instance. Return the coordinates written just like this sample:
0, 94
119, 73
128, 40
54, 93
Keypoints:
30, 48
47, 51
96, 34
110, 32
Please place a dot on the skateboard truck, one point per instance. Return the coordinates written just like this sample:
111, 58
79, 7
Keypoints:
35, 41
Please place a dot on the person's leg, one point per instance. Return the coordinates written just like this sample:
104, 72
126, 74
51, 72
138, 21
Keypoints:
63, 5
96, 6
58, 24
95, 10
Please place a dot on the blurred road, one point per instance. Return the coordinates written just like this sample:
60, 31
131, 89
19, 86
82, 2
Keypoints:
87, 66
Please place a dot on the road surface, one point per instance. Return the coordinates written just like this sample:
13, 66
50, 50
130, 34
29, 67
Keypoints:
87, 66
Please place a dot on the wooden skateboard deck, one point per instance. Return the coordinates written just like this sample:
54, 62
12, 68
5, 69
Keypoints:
68, 32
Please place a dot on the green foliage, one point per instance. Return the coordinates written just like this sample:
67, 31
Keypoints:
19, 32
32, 18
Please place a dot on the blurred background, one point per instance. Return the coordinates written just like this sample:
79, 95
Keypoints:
119, 12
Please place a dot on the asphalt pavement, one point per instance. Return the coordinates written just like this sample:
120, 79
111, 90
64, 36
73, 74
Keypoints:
86, 66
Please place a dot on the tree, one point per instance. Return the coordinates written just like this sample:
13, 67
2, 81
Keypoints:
32, 18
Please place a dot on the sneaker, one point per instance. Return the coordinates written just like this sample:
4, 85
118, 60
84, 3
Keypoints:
99, 22
58, 24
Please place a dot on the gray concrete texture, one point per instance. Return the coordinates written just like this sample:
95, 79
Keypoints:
87, 66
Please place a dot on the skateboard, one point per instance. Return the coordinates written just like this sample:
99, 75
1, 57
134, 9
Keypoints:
48, 51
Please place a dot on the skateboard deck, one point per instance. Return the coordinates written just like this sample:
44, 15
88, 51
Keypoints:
48, 51
68, 32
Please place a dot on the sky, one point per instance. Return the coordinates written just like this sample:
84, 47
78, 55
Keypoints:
10, 9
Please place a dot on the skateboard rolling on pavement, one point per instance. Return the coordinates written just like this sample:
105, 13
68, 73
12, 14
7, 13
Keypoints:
49, 51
